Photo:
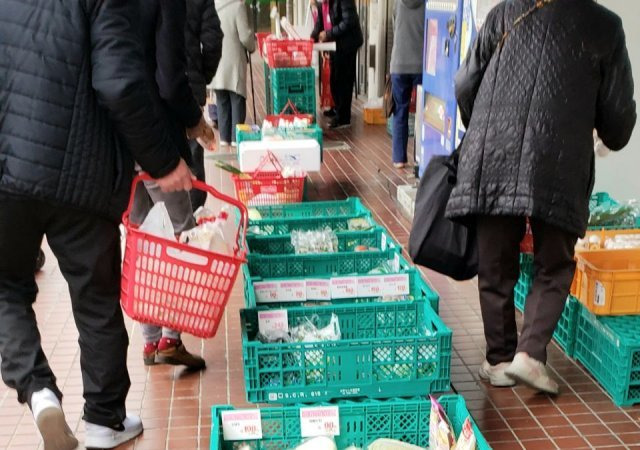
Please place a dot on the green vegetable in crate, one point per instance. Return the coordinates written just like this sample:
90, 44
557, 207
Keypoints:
231, 169
359, 224
614, 215
314, 241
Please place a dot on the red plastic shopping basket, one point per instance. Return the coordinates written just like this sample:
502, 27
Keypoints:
274, 119
261, 37
174, 285
289, 52
262, 188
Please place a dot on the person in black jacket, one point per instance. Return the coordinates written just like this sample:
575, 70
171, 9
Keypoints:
531, 101
163, 36
74, 114
342, 26
203, 41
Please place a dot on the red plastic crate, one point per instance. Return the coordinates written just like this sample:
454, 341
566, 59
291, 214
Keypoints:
288, 52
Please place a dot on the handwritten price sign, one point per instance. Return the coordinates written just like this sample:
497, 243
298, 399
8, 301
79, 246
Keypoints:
292, 291
273, 320
370, 286
396, 284
344, 287
241, 425
318, 289
320, 421
265, 292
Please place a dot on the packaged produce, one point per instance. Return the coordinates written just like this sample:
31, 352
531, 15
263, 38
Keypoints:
315, 241
359, 224
309, 332
607, 215
158, 222
209, 235
441, 435
391, 444
318, 443
467, 439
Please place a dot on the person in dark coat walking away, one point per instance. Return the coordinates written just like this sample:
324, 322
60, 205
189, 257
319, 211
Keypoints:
406, 70
341, 25
531, 105
203, 42
74, 114
163, 36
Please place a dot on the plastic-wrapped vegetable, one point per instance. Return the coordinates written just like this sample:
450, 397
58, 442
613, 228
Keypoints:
440, 430
315, 241
318, 443
467, 439
359, 224
391, 444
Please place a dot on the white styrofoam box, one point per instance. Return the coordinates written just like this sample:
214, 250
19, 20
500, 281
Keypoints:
302, 153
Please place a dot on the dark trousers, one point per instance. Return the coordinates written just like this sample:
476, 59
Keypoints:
88, 251
401, 89
198, 197
343, 77
232, 110
498, 270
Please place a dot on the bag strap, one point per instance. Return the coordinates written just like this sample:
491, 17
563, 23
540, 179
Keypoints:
536, 7
269, 157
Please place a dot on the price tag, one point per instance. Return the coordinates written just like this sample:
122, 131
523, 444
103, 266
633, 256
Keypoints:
601, 294
292, 291
274, 320
241, 425
344, 287
396, 284
266, 292
319, 421
370, 286
318, 289
383, 242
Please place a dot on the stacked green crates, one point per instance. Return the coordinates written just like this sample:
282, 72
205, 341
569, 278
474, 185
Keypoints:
360, 423
295, 84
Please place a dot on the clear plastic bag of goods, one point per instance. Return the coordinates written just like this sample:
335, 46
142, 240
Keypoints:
359, 224
309, 332
441, 435
209, 235
391, 444
318, 443
158, 223
314, 241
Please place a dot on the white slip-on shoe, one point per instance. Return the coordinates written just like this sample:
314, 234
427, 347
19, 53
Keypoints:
495, 374
526, 370
51, 422
98, 436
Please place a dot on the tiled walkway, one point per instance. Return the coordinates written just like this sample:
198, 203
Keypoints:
175, 405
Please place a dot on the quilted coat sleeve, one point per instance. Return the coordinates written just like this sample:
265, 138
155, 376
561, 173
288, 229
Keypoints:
349, 20
171, 57
245, 33
469, 76
119, 80
211, 38
616, 109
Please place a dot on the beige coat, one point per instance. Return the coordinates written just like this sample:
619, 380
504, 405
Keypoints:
238, 38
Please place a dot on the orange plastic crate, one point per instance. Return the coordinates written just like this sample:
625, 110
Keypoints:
609, 281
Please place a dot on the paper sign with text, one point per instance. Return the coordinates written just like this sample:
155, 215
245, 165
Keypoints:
276, 320
344, 287
266, 292
396, 284
292, 291
241, 425
318, 289
319, 421
371, 286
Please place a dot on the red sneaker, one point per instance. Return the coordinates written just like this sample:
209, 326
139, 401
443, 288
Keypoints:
173, 352
149, 353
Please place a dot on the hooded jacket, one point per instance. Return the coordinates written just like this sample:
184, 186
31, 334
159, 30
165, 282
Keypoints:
531, 107
408, 37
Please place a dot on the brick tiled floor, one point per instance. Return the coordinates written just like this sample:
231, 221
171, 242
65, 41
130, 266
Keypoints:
176, 405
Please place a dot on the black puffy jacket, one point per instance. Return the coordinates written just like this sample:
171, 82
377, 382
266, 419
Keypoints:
345, 25
203, 41
531, 108
71, 78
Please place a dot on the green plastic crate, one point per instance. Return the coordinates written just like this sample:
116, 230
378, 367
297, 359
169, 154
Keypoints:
361, 423
352, 206
276, 227
386, 350
419, 289
252, 134
565, 333
609, 347
295, 84
376, 237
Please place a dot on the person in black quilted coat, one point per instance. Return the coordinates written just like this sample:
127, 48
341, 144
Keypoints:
74, 114
531, 106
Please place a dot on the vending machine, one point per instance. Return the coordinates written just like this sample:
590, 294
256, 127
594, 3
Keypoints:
450, 28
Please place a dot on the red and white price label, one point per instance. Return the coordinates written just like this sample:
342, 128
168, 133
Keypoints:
319, 421
273, 320
292, 291
396, 284
344, 287
242, 424
370, 286
318, 289
266, 292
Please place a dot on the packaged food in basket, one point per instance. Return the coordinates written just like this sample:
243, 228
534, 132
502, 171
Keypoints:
315, 241
467, 438
391, 444
209, 235
441, 435
158, 222
318, 443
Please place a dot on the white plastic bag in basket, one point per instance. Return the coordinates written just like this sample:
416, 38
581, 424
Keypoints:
158, 222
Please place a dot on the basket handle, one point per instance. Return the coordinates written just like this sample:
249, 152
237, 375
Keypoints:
266, 159
289, 105
241, 233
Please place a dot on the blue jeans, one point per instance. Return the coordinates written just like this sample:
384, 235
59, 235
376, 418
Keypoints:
401, 87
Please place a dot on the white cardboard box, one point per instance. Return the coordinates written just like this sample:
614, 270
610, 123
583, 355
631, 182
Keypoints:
303, 154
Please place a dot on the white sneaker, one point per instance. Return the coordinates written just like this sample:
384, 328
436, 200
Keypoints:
98, 436
51, 422
495, 374
224, 144
527, 370
234, 144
